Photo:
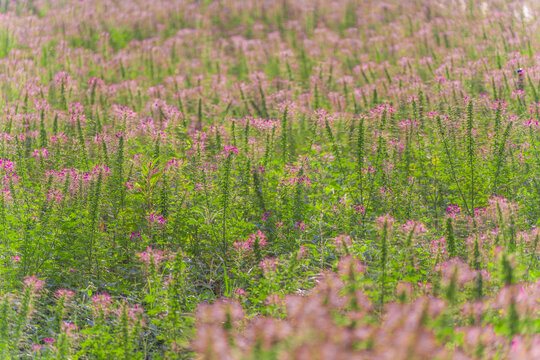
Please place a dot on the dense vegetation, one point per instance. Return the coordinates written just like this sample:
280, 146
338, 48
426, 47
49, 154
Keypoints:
251, 179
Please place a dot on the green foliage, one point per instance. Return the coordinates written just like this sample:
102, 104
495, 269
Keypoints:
335, 158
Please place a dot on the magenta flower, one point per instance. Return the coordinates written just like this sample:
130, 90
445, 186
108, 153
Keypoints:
40, 153
250, 241
229, 149
359, 208
453, 210
157, 219
300, 226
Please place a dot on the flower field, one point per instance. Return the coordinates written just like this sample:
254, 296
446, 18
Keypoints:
260, 179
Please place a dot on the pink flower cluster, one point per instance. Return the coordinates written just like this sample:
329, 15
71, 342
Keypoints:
34, 283
229, 150
247, 244
40, 153
156, 219
153, 257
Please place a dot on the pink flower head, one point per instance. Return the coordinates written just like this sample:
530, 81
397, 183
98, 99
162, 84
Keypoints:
68, 328
102, 303
40, 153
480, 211
343, 241
300, 226
48, 341
157, 219
438, 246
135, 313
415, 226
242, 245
174, 163
34, 283
260, 236
302, 252
55, 196
268, 265
453, 210
152, 256
385, 219
15, 258
229, 150
250, 241
7, 165
65, 294
76, 108
359, 208
532, 122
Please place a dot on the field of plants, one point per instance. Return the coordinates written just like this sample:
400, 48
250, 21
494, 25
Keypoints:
260, 179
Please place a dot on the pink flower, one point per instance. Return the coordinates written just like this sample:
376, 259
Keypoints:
411, 225
370, 169
453, 210
359, 208
381, 220
102, 303
438, 245
15, 258
300, 226
135, 312
156, 219
152, 256
268, 264
342, 241
7, 165
69, 328
67, 295
531, 122
229, 150
54, 196
40, 153
480, 211
174, 163
250, 241
48, 341
34, 283
302, 252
